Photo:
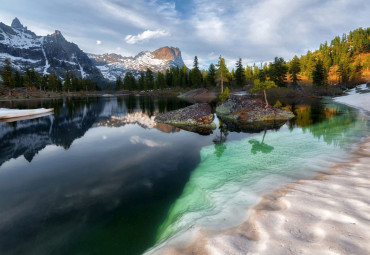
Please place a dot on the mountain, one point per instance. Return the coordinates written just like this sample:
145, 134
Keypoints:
53, 53
47, 54
114, 65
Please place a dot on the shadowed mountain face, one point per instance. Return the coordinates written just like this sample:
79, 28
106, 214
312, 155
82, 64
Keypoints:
46, 54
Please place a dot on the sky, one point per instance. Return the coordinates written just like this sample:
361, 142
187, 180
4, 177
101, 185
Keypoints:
254, 30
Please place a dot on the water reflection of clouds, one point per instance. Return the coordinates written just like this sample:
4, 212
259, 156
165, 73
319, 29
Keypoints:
147, 142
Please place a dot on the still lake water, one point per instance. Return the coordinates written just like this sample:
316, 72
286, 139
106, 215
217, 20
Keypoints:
100, 177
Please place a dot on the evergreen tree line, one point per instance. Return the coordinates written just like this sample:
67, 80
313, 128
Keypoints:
48, 82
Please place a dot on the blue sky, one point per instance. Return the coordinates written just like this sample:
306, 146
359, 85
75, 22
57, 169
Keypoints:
255, 30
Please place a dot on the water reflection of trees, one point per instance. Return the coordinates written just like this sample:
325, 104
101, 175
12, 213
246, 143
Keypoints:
330, 122
220, 140
260, 146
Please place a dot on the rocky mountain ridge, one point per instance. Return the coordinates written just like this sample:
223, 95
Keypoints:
53, 53
46, 54
114, 65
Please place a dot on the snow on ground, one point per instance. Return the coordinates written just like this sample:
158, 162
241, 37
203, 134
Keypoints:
4, 112
358, 97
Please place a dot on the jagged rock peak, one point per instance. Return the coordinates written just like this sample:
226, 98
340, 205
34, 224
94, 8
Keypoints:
57, 34
167, 53
16, 24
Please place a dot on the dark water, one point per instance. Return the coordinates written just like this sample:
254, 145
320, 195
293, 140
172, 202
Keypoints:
99, 177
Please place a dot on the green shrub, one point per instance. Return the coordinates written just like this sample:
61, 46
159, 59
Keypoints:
278, 104
225, 95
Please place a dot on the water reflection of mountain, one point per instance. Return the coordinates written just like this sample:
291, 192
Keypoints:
28, 137
71, 120
140, 118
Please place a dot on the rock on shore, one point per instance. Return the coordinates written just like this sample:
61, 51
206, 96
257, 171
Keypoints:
196, 118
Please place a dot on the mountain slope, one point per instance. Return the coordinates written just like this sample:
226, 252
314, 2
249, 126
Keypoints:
47, 54
114, 65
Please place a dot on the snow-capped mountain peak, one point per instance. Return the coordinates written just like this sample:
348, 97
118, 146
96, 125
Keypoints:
114, 65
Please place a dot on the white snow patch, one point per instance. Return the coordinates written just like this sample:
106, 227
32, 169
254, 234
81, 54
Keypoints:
357, 98
11, 113
47, 65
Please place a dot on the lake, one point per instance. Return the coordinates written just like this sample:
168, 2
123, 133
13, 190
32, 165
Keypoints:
99, 176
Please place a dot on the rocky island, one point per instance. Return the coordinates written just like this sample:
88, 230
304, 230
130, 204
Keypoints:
244, 113
196, 118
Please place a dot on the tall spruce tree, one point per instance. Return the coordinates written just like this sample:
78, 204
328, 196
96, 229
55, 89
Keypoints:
319, 74
119, 84
222, 72
278, 71
239, 73
7, 76
294, 70
149, 79
211, 76
196, 75
67, 82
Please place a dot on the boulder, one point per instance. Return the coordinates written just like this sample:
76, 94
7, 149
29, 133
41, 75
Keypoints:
196, 118
252, 114
199, 96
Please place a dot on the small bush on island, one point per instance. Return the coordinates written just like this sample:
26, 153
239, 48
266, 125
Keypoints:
278, 104
225, 95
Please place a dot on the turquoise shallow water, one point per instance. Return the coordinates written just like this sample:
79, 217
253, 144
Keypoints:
232, 175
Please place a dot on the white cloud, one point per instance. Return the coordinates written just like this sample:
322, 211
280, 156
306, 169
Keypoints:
98, 42
146, 35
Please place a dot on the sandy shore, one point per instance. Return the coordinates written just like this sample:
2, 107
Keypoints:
327, 215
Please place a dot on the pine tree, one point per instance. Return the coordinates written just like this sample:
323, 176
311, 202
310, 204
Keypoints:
319, 74
211, 76
222, 72
7, 76
294, 70
129, 81
161, 83
18, 79
27, 79
141, 82
196, 75
149, 79
67, 82
344, 70
239, 73
53, 82
119, 83
278, 71
184, 77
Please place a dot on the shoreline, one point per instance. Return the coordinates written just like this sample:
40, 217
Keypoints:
328, 214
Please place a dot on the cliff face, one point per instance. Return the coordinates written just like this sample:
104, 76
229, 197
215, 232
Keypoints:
167, 53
